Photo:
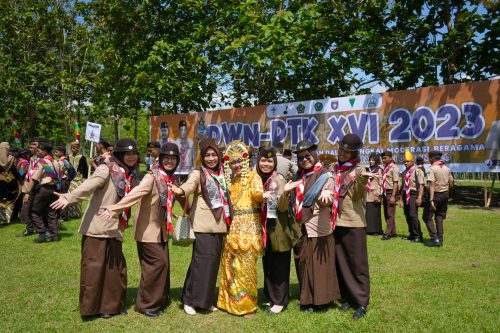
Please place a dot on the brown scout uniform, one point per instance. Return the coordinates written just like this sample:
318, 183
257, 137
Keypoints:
411, 209
316, 251
373, 200
150, 232
351, 252
390, 210
103, 279
442, 177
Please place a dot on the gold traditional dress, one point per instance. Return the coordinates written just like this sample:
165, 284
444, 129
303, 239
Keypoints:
238, 279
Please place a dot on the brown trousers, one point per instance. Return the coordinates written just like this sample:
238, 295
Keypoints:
103, 279
351, 255
441, 203
411, 214
154, 287
390, 215
201, 278
43, 217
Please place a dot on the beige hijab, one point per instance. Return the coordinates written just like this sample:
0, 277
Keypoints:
6, 160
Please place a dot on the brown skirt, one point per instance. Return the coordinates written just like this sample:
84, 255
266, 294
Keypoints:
154, 288
319, 285
352, 265
103, 279
374, 218
201, 278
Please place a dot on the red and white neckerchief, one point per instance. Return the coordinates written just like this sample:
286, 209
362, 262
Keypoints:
220, 180
126, 213
384, 176
338, 169
368, 186
438, 163
407, 177
170, 199
31, 168
299, 190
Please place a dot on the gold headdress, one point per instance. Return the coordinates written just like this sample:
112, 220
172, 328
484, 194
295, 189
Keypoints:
408, 155
236, 151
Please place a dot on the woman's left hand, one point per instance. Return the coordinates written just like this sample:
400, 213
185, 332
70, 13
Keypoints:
106, 215
326, 196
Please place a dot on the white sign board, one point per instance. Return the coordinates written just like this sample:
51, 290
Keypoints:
93, 132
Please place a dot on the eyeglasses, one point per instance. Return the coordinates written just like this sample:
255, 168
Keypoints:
308, 157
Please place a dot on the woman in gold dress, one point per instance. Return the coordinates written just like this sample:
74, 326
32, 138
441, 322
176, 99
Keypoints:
243, 245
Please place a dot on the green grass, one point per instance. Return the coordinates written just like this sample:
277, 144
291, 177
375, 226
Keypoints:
413, 288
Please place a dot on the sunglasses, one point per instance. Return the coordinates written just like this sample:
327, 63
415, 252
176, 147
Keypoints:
308, 157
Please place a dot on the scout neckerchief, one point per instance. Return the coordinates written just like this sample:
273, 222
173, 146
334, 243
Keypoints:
32, 167
217, 181
338, 170
299, 197
22, 167
373, 169
384, 176
102, 158
407, 177
438, 163
167, 197
123, 184
47, 163
269, 185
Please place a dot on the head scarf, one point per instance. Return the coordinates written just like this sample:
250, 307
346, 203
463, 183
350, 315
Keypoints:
6, 160
266, 153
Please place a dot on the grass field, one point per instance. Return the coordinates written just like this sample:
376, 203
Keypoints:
413, 288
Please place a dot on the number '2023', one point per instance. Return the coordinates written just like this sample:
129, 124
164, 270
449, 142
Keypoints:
423, 124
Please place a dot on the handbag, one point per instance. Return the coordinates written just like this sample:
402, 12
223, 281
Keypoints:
183, 230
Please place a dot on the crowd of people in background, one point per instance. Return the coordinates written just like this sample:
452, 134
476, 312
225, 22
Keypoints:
320, 209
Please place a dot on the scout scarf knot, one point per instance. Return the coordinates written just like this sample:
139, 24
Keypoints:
339, 171
299, 197
407, 178
22, 167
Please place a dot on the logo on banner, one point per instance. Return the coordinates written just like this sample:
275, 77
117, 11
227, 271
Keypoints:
351, 101
318, 106
372, 101
301, 108
335, 105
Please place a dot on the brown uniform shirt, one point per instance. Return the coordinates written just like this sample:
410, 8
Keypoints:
352, 212
375, 188
201, 216
104, 194
41, 176
392, 177
416, 177
149, 220
441, 176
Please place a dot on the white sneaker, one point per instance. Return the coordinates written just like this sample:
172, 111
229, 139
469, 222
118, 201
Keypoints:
213, 309
276, 308
189, 310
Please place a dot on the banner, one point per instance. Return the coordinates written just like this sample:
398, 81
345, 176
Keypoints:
461, 121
